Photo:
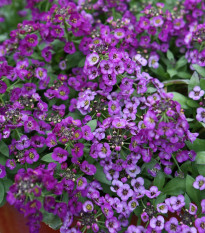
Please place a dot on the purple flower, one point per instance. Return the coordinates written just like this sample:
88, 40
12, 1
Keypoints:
88, 206
177, 202
37, 141
152, 192
157, 21
203, 206
62, 92
150, 120
199, 183
125, 192
200, 224
51, 140
157, 223
112, 224
137, 183
200, 114
172, 226
119, 123
140, 60
67, 222
11, 164
31, 40
2, 171
62, 65
92, 59
31, 156
23, 143
196, 94
119, 33
69, 48
41, 73
3, 87
144, 217
103, 150
88, 169
87, 134
61, 209
192, 209
81, 183
187, 229
162, 208
153, 61
106, 67
60, 155
77, 151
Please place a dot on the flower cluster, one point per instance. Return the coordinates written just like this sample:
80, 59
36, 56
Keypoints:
88, 123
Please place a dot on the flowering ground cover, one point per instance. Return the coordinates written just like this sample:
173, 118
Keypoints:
102, 114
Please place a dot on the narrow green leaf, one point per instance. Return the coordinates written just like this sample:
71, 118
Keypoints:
160, 198
172, 72
47, 158
197, 145
170, 55
194, 81
159, 180
4, 149
201, 169
175, 187
191, 191
200, 158
181, 62
199, 69
202, 84
184, 75
100, 175
2, 191
92, 124
187, 201
192, 104
181, 99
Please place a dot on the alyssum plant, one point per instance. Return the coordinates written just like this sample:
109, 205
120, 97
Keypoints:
101, 105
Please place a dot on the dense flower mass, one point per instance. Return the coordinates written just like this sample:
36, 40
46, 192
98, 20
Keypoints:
96, 135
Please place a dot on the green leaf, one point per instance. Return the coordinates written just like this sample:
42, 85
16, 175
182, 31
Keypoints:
7, 184
160, 72
197, 145
194, 81
192, 104
151, 90
4, 148
200, 158
199, 69
72, 60
175, 187
202, 84
170, 55
55, 223
138, 210
100, 175
92, 124
181, 62
48, 158
187, 201
160, 198
181, 99
2, 192
184, 75
172, 72
82, 62
159, 180
191, 191
201, 169
75, 115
